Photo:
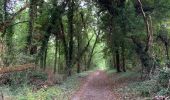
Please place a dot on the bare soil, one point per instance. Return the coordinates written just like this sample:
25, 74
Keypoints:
97, 86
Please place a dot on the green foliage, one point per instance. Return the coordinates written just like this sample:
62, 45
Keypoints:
118, 22
163, 82
146, 88
18, 78
38, 75
59, 92
42, 94
164, 92
155, 86
163, 78
22, 58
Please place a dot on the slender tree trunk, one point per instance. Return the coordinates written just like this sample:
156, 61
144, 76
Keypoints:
117, 60
1, 96
45, 58
167, 51
91, 53
42, 61
78, 67
114, 61
59, 66
78, 54
85, 63
167, 55
56, 53
43, 50
5, 14
123, 58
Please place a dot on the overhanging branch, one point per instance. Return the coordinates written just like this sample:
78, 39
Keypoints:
8, 22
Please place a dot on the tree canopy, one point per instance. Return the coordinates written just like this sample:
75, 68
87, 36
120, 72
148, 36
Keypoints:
70, 36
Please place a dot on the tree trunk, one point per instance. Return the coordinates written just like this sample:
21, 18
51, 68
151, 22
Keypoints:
43, 50
64, 45
123, 58
78, 68
114, 61
9, 40
117, 60
59, 66
148, 23
41, 60
78, 54
146, 59
167, 54
91, 53
85, 62
31, 24
5, 14
70, 35
56, 53
45, 58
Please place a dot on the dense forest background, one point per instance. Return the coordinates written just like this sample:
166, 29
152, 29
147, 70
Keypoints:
55, 39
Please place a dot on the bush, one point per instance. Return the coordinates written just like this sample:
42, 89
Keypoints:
163, 78
43, 94
164, 92
146, 88
39, 75
163, 82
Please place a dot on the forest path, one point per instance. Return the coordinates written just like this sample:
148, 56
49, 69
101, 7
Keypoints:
96, 87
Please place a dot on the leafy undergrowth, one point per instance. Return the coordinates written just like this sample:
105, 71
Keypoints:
61, 91
124, 84
129, 86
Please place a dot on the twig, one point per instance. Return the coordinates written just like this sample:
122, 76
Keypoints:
19, 23
168, 85
2, 96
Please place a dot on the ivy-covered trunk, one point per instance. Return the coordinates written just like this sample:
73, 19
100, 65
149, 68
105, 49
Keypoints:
145, 58
9, 43
70, 35
8, 31
32, 14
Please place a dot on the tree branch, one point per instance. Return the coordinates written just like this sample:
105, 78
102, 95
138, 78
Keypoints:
16, 69
83, 51
7, 23
148, 27
19, 23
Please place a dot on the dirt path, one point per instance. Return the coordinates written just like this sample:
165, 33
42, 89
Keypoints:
96, 87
